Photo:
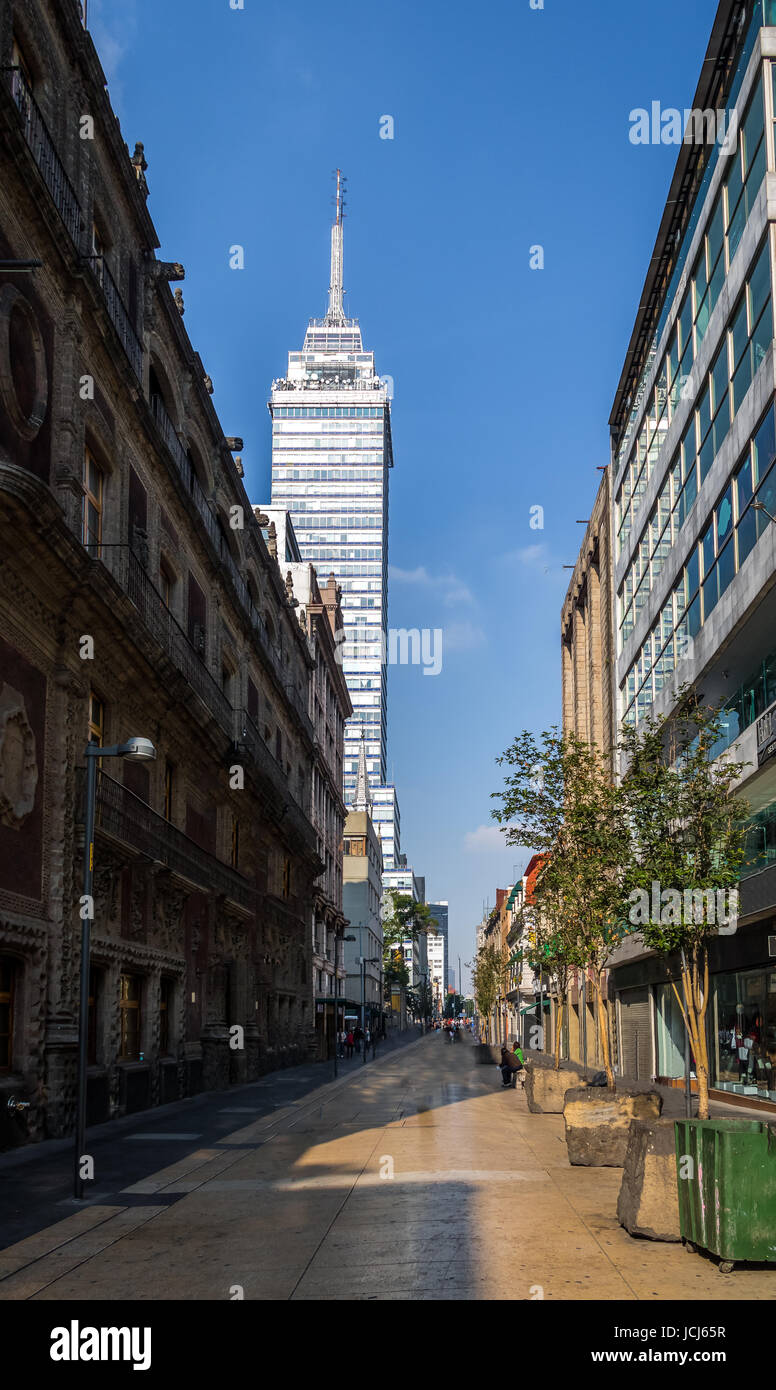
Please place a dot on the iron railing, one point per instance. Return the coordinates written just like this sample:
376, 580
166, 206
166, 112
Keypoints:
64, 196
45, 155
130, 820
248, 737
122, 322
65, 200
193, 487
765, 724
172, 638
236, 723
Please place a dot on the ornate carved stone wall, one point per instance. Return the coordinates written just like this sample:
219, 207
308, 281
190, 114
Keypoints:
97, 372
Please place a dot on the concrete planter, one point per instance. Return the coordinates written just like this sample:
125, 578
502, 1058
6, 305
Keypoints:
648, 1204
597, 1122
545, 1088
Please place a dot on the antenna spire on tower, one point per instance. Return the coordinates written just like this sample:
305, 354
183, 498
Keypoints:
336, 311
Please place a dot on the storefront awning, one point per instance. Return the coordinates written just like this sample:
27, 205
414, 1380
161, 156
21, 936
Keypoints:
531, 1008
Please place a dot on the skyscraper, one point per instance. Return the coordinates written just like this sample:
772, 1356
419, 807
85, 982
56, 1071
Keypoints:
331, 451
437, 951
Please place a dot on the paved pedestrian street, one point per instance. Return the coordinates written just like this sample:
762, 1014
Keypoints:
415, 1177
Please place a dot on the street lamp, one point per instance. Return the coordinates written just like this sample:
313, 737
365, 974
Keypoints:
761, 507
134, 750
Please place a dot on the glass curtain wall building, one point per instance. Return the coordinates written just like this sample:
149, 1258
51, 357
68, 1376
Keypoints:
694, 489
331, 452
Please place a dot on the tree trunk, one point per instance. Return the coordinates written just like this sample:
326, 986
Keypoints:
694, 1002
558, 1030
603, 1030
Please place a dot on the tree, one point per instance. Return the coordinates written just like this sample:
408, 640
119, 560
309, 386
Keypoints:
559, 799
687, 842
405, 920
424, 1000
454, 1005
551, 946
490, 972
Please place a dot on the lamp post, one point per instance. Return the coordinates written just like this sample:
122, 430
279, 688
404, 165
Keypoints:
135, 750
761, 507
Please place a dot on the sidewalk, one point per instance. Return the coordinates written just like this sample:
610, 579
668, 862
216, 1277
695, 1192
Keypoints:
417, 1177
673, 1097
36, 1180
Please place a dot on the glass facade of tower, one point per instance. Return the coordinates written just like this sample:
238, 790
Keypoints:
331, 451
694, 490
386, 820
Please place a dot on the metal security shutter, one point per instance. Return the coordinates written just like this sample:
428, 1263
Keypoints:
636, 1034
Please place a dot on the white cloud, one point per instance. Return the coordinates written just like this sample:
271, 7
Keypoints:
486, 837
450, 588
533, 557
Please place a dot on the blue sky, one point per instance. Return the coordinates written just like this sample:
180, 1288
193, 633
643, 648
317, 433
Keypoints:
510, 130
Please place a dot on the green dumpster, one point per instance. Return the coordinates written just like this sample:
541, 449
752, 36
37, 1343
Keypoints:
726, 1174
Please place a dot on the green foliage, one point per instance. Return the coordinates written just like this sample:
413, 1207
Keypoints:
686, 826
406, 921
490, 973
558, 799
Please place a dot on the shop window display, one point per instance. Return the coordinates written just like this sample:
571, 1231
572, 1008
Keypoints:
745, 1018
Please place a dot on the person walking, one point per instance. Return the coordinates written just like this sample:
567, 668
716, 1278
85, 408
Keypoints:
349, 1042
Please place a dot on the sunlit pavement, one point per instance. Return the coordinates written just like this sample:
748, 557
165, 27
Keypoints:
419, 1177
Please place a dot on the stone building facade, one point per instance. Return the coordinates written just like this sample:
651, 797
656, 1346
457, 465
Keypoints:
137, 596
587, 646
320, 615
587, 633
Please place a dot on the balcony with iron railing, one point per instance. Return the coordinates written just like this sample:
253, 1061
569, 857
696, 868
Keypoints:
174, 641
63, 194
45, 155
248, 737
235, 723
122, 322
129, 820
193, 488
65, 199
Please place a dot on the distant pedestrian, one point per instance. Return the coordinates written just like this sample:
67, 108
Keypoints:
341, 1043
349, 1043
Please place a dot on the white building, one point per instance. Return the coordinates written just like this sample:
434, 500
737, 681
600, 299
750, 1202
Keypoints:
331, 451
387, 823
438, 955
404, 881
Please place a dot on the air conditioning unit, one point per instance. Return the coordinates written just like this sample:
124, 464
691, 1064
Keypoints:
772, 945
